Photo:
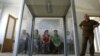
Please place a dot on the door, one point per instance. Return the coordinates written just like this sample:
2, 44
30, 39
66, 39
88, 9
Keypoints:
9, 34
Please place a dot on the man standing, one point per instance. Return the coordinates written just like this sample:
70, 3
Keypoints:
88, 26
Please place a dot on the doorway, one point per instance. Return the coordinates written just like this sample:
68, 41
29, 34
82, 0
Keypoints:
7, 45
96, 33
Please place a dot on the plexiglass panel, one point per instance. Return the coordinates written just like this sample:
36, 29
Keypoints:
70, 32
25, 33
48, 36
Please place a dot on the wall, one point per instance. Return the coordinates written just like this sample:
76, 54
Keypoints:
50, 24
0, 13
1, 10
12, 10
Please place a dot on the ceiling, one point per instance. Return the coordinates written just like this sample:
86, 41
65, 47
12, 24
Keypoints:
40, 8
10, 2
59, 7
88, 4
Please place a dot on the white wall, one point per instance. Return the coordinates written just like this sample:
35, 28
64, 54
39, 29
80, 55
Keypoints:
50, 24
0, 13
12, 10
1, 10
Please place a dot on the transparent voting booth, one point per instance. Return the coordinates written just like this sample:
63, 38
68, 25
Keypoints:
46, 28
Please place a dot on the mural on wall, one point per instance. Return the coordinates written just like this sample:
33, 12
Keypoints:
49, 24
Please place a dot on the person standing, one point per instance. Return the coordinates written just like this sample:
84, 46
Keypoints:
87, 27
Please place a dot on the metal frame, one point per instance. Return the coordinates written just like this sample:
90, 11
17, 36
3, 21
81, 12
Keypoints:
18, 28
65, 37
75, 31
64, 20
50, 16
32, 29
